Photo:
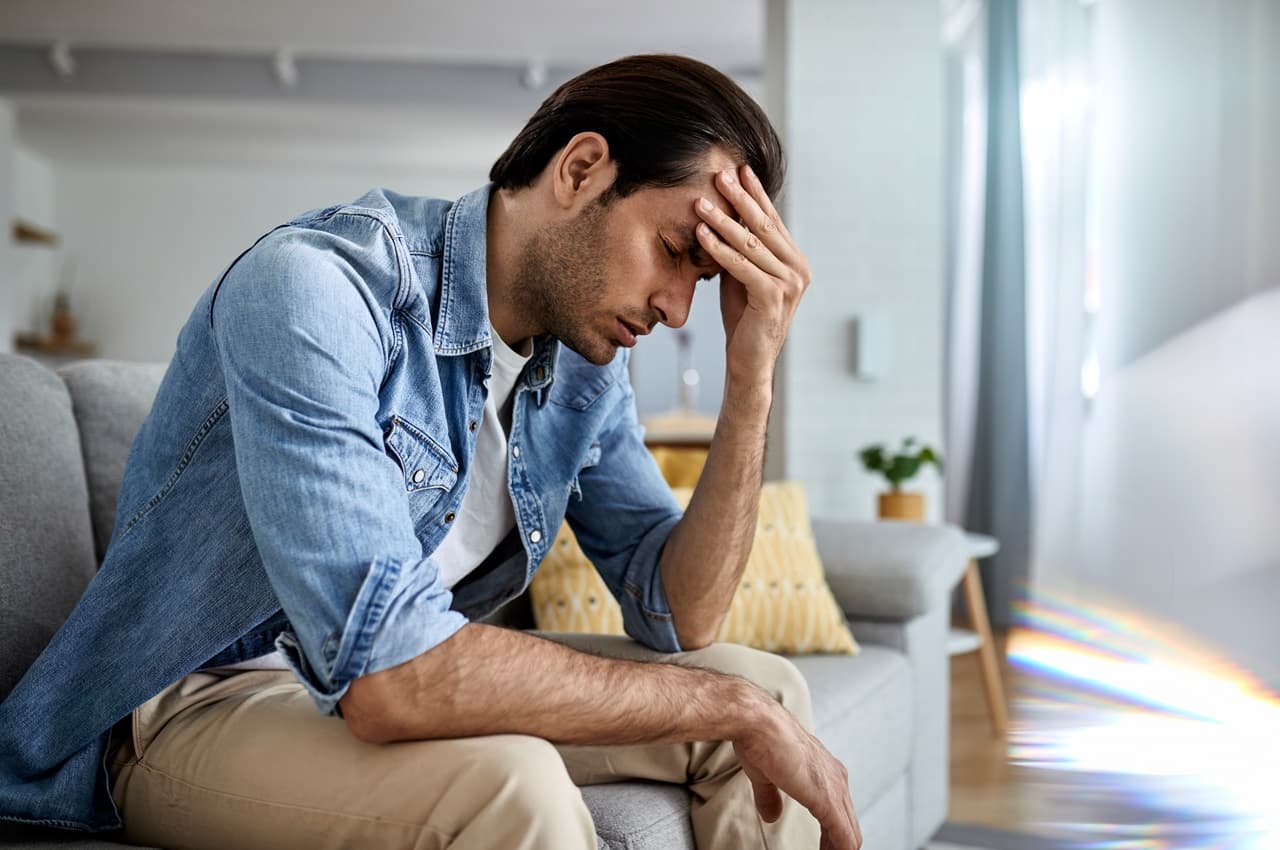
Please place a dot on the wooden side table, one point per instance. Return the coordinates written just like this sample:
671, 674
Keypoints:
978, 637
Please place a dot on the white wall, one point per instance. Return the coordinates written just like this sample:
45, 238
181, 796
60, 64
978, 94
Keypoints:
149, 240
861, 104
1188, 175
37, 268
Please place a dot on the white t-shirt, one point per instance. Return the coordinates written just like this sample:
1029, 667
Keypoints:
486, 515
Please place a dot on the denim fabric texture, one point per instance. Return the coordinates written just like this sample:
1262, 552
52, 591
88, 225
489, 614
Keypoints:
305, 454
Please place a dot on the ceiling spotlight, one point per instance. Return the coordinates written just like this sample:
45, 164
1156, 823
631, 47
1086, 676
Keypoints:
534, 75
61, 60
286, 68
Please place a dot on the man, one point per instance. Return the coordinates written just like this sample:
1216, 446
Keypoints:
371, 429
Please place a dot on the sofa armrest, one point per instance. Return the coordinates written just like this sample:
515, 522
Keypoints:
890, 570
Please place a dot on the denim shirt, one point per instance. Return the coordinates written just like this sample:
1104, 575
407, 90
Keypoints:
305, 454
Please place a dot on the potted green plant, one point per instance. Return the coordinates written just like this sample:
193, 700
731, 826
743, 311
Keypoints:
898, 468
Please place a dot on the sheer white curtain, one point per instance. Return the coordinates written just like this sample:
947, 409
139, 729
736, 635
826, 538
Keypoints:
1062, 289
964, 34
1054, 83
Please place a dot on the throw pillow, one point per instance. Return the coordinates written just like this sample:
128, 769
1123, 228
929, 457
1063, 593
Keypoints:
782, 604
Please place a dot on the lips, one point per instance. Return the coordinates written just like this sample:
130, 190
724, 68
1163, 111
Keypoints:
626, 334
629, 333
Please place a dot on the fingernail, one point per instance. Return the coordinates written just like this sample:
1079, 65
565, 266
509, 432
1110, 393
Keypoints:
750, 173
702, 227
728, 178
705, 204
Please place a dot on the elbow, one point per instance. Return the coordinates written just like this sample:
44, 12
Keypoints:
363, 714
691, 639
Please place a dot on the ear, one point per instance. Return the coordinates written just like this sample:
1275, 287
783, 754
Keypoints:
582, 170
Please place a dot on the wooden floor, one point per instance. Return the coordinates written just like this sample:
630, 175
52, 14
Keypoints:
985, 788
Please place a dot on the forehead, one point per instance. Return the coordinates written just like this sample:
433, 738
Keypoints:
675, 203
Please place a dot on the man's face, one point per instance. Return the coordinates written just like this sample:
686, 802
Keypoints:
608, 275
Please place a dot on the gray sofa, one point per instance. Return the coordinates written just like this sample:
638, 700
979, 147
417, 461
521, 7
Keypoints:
64, 437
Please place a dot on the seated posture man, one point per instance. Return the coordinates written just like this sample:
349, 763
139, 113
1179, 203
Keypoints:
373, 425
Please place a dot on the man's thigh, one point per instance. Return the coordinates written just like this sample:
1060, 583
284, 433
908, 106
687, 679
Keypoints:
245, 760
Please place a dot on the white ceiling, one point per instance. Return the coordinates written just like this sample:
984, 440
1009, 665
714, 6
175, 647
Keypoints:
567, 35
573, 33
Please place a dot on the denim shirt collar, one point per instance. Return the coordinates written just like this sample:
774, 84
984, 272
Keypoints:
463, 326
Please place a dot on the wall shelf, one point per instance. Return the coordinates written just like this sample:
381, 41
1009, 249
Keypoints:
32, 234
35, 344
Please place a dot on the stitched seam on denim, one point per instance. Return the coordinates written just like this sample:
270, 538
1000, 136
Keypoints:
446, 276
644, 609
374, 610
192, 447
414, 430
76, 825
576, 404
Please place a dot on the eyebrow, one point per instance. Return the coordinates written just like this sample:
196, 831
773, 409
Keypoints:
689, 244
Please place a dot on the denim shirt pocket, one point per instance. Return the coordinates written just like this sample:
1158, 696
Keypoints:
592, 459
425, 463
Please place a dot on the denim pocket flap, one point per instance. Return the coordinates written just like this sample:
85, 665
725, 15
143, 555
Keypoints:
426, 465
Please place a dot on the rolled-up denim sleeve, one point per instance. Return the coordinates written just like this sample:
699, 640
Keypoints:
304, 347
622, 522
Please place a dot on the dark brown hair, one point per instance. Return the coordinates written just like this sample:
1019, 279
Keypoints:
659, 113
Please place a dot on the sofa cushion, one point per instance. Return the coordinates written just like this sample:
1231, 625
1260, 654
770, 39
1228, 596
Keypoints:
862, 712
110, 401
46, 540
640, 815
782, 603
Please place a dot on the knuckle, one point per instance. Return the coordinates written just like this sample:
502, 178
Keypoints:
752, 241
768, 224
738, 258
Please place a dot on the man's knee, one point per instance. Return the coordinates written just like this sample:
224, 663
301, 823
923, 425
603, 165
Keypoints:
772, 673
531, 786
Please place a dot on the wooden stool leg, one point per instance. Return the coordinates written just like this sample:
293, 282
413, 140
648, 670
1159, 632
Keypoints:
977, 606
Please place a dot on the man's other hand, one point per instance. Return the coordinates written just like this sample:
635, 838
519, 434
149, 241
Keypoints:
787, 759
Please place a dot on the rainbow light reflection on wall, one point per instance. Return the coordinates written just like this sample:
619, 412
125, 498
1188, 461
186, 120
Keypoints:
1151, 740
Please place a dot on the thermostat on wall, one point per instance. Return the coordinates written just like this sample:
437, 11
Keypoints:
869, 346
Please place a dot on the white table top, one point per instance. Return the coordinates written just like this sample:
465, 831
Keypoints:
981, 545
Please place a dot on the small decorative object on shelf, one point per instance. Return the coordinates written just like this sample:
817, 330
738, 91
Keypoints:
63, 322
898, 468
61, 342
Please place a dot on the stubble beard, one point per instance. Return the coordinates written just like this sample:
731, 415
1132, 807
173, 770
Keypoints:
560, 284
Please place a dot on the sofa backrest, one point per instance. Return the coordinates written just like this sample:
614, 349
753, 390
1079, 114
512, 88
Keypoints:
46, 535
64, 439
110, 400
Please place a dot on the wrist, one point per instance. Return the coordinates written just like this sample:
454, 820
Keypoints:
748, 394
754, 715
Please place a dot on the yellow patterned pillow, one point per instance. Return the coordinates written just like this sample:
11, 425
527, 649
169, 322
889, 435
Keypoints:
782, 604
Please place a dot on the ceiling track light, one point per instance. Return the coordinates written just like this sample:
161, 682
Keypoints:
61, 60
534, 75
286, 68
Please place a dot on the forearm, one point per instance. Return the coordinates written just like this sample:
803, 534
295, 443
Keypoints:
707, 551
487, 680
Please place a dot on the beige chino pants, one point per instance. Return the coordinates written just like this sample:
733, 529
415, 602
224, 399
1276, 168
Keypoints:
242, 759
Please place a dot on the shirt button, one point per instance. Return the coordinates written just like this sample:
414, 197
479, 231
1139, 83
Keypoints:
515, 451
449, 517
535, 536
418, 475
540, 373
472, 427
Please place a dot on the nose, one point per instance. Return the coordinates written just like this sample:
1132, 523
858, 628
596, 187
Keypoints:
672, 304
